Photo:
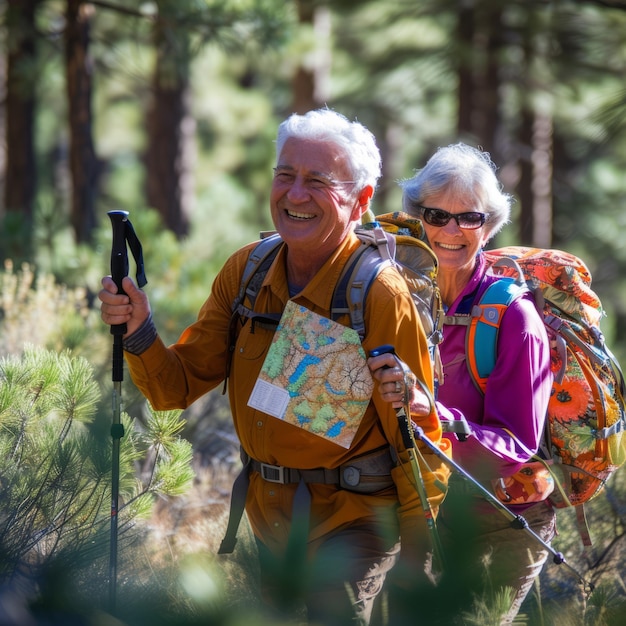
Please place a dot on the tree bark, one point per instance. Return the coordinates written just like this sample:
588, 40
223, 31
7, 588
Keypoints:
303, 81
83, 166
524, 185
310, 82
465, 47
480, 41
542, 180
169, 127
535, 151
20, 170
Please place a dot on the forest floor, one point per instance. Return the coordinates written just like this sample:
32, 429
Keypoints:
189, 529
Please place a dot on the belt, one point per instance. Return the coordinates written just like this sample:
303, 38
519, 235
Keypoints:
289, 475
366, 474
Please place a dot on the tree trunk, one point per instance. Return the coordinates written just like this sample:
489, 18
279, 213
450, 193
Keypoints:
310, 82
20, 170
542, 180
83, 167
490, 92
465, 48
169, 127
479, 34
536, 151
525, 183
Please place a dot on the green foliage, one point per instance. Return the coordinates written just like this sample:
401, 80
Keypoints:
53, 487
394, 67
37, 310
172, 473
488, 610
55, 470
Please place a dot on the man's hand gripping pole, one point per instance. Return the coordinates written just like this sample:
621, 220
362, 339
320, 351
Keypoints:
403, 414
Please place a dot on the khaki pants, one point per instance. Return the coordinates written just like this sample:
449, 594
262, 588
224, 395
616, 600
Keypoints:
489, 553
339, 583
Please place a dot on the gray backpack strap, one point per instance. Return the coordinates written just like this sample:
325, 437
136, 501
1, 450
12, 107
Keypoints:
367, 261
457, 320
256, 267
261, 258
237, 506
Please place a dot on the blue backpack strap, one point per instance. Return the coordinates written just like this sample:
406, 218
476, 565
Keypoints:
481, 339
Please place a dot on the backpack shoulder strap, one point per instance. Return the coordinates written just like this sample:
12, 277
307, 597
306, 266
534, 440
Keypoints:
483, 319
259, 261
481, 339
376, 252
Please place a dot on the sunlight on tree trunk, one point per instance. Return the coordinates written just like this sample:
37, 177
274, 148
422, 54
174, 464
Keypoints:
310, 81
542, 181
79, 93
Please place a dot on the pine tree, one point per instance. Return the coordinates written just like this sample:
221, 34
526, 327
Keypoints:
55, 473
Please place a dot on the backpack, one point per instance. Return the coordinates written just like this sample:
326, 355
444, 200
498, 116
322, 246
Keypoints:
585, 440
392, 239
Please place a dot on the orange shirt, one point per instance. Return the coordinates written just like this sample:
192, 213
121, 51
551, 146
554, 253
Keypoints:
175, 376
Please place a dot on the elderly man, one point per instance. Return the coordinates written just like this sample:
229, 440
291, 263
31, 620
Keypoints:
326, 172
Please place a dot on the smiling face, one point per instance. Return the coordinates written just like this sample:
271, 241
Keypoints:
312, 206
455, 247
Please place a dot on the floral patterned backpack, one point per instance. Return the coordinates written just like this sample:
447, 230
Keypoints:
585, 426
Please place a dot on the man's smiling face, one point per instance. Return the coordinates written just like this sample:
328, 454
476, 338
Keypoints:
313, 200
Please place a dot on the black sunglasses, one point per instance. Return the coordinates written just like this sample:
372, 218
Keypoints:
438, 217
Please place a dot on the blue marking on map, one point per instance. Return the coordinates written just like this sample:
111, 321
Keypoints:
303, 420
324, 340
335, 429
299, 372
335, 392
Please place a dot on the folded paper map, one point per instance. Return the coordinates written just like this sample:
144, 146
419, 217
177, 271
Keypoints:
315, 376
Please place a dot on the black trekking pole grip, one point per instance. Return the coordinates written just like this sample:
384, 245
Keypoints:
119, 257
403, 419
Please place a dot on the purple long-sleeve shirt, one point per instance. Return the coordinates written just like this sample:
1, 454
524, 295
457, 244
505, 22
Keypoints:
518, 389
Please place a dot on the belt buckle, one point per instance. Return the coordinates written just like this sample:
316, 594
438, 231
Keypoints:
273, 473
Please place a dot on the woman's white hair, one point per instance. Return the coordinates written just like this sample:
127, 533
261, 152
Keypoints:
464, 172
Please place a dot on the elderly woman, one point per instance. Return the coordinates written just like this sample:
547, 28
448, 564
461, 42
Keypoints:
459, 200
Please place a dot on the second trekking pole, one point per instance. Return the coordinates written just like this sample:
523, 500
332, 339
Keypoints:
403, 415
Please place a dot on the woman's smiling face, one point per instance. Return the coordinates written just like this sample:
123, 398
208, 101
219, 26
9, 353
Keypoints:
455, 247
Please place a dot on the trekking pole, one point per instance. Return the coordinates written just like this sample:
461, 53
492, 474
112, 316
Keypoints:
518, 522
119, 269
408, 441
122, 232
